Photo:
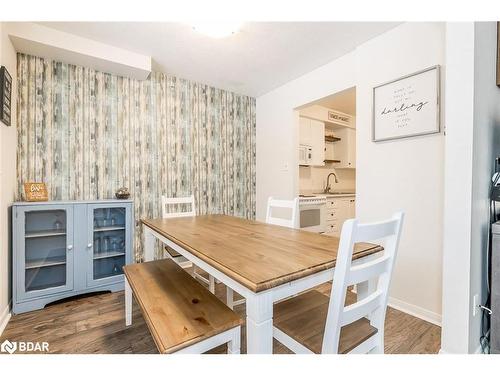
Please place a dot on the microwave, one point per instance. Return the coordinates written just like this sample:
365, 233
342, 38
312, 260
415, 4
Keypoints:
305, 155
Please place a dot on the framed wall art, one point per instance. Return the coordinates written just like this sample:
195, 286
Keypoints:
407, 106
5, 96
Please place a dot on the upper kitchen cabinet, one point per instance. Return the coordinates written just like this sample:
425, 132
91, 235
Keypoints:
345, 148
312, 135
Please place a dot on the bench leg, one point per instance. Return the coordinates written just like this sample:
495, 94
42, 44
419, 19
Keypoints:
233, 346
128, 303
229, 298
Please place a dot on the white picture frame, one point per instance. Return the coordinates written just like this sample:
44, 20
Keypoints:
407, 107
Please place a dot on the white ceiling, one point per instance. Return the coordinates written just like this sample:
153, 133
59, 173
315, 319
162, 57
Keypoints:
343, 101
259, 58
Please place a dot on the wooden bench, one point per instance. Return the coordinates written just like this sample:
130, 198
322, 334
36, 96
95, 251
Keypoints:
182, 315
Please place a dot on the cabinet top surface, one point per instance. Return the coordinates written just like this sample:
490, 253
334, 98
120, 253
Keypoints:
100, 201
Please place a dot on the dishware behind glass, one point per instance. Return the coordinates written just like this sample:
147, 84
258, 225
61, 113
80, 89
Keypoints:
105, 244
57, 224
97, 247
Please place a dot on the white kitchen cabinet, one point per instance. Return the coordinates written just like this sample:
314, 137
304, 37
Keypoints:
329, 151
339, 209
345, 149
305, 131
312, 133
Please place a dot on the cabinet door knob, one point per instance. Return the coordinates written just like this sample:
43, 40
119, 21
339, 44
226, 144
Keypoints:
89, 245
70, 247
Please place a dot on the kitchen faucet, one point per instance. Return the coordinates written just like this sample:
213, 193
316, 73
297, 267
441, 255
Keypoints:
327, 188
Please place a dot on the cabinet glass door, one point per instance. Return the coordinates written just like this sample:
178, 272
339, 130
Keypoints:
109, 243
47, 256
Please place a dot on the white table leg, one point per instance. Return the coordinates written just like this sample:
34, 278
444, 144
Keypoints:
229, 297
128, 303
149, 244
233, 346
260, 323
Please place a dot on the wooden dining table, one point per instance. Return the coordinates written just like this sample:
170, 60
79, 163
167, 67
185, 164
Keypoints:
264, 263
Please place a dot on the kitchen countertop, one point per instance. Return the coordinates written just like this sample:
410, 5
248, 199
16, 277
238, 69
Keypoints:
339, 195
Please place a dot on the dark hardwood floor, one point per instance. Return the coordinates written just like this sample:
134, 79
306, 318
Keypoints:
96, 324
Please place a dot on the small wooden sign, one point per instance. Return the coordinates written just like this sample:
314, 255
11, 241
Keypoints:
35, 192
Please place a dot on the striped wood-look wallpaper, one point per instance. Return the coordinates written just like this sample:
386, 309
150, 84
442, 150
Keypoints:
86, 133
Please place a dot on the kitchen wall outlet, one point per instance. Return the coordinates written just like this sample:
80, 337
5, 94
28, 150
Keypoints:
285, 167
475, 304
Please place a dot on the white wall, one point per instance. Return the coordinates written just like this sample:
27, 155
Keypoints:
458, 186
405, 174
8, 141
277, 127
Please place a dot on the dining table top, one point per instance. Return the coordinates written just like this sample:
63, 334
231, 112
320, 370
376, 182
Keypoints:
257, 255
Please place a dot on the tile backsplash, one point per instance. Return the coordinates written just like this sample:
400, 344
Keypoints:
313, 179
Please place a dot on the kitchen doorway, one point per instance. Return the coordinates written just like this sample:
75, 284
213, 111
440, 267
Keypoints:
327, 161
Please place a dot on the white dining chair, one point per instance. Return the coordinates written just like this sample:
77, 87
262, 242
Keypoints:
167, 202
314, 323
292, 205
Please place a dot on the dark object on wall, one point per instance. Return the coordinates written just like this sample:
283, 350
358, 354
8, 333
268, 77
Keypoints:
5, 96
498, 54
122, 193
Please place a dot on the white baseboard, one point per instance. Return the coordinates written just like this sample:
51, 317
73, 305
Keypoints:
408, 308
4, 318
416, 311
478, 350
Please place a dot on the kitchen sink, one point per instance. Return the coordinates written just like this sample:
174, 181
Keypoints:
336, 193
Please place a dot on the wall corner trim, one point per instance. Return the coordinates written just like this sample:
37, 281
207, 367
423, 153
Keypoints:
4, 318
416, 311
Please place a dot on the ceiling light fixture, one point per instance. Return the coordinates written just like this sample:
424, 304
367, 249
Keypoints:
216, 29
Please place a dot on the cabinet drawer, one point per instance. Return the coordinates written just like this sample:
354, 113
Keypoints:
332, 227
332, 203
331, 215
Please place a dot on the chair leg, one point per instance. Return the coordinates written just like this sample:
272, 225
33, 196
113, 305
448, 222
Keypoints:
229, 298
233, 346
128, 303
211, 284
379, 349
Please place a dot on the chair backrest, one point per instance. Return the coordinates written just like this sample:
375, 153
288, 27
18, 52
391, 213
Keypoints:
166, 202
380, 269
293, 205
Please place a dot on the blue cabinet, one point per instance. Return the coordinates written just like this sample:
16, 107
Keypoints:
61, 249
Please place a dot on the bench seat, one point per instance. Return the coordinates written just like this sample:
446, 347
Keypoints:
178, 310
